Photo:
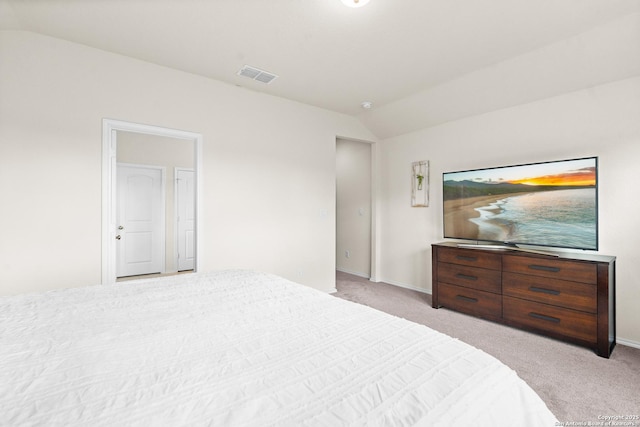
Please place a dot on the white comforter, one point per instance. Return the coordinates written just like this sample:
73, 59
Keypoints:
241, 348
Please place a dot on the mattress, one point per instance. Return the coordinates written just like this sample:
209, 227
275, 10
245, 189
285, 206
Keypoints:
233, 348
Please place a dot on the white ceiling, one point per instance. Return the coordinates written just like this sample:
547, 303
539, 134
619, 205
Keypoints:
324, 53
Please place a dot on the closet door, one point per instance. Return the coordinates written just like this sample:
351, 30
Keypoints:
140, 220
185, 218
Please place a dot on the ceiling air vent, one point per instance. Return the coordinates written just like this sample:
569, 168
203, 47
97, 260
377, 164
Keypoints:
257, 74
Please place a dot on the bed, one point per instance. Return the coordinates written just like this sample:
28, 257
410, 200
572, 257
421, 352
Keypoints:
241, 348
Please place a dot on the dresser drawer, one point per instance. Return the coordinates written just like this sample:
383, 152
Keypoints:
583, 272
471, 301
543, 317
470, 277
562, 293
470, 257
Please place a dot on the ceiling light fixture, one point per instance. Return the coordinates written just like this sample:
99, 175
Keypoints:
355, 3
366, 105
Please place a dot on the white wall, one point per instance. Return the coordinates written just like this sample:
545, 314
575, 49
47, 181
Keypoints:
268, 164
602, 121
353, 207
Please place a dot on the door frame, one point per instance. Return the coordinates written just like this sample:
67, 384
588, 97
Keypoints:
110, 127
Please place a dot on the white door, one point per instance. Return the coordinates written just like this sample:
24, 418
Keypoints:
140, 220
185, 218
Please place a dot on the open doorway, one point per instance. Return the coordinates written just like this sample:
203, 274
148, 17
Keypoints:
155, 184
147, 148
354, 213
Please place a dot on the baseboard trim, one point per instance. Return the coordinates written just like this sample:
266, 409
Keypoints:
628, 343
388, 282
406, 286
355, 273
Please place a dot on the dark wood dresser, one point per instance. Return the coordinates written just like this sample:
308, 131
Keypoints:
570, 296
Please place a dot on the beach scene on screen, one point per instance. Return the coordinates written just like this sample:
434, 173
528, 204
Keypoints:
549, 204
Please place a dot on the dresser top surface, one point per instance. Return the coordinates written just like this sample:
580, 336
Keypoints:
578, 256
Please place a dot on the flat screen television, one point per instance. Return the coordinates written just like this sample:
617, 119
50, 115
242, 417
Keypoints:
548, 204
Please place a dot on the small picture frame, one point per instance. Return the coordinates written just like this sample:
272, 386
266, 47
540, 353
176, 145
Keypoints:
420, 184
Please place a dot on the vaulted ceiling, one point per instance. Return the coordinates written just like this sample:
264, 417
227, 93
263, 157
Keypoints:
327, 55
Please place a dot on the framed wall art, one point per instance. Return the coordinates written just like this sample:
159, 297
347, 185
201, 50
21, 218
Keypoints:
420, 183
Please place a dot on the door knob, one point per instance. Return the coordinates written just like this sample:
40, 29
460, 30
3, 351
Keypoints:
120, 227
118, 237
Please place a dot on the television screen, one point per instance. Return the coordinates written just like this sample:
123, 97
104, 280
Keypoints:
551, 204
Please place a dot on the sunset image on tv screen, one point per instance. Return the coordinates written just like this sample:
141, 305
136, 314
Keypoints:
542, 204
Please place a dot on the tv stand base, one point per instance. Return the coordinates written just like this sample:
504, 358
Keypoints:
505, 247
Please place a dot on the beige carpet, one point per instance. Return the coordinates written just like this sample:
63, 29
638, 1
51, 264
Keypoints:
576, 384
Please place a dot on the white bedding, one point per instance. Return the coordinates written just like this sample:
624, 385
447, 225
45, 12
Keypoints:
241, 348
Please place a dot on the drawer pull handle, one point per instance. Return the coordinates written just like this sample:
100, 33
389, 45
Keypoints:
544, 291
467, 299
466, 258
544, 268
466, 276
543, 317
